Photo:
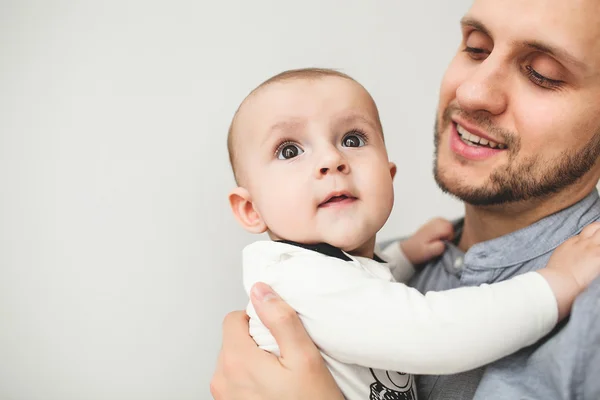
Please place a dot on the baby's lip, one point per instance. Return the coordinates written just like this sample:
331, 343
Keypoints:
337, 196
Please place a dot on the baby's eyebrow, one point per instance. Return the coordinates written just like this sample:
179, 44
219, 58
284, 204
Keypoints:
284, 127
349, 119
287, 125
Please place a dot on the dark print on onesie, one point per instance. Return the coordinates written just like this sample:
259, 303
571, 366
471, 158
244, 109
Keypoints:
392, 386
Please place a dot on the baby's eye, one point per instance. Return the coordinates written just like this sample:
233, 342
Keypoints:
353, 140
288, 151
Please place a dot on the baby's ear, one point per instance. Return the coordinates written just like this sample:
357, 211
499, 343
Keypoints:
244, 211
392, 169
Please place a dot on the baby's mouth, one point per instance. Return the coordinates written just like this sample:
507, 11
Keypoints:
337, 199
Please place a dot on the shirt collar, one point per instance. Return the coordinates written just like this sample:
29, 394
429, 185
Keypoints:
326, 249
536, 239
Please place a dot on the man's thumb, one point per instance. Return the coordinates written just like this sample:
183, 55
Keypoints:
282, 321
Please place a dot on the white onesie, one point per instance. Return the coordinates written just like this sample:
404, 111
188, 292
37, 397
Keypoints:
373, 332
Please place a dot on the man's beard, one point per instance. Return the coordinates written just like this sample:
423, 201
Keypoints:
532, 178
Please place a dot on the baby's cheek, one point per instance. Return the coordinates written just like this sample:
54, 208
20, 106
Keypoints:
384, 187
287, 214
385, 198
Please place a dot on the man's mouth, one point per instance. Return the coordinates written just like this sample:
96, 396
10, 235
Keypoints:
337, 199
477, 141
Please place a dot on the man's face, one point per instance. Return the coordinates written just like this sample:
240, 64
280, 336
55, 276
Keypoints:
519, 111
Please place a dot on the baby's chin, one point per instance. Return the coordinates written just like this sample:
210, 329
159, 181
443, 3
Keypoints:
347, 238
351, 243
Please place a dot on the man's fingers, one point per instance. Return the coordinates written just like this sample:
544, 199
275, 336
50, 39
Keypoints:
235, 331
238, 345
284, 324
240, 358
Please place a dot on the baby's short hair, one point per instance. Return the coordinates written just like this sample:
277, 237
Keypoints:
292, 74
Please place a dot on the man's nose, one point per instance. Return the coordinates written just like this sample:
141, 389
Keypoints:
484, 90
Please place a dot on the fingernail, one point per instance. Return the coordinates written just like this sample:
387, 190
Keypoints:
263, 292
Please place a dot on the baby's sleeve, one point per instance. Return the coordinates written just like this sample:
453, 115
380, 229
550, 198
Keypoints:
357, 318
402, 269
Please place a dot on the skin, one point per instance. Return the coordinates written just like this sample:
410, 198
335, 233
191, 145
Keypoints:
301, 141
545, 124
494, 86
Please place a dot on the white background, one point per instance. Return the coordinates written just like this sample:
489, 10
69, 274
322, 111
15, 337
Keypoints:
118, 253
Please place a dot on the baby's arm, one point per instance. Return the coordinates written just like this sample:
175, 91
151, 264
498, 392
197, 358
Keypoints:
358, 319
425, 244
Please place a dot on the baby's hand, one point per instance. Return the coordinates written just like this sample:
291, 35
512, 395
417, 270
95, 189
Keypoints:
573, 266
427, 242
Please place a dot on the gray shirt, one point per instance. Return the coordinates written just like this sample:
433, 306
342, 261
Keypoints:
563, 365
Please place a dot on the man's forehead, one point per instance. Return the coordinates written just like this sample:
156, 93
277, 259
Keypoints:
573, 26
581, 8
578, 18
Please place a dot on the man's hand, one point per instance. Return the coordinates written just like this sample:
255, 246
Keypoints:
246, 372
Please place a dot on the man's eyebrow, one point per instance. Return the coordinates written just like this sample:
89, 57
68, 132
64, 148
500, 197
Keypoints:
475, 24
546, 48
554, 51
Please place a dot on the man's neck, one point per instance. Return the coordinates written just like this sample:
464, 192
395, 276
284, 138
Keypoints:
484, 223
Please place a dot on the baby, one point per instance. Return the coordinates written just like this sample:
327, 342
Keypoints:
309, 158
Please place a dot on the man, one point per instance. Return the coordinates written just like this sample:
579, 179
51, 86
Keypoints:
518, 140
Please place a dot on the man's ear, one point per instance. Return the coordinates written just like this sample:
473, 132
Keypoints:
244, 211
392, 170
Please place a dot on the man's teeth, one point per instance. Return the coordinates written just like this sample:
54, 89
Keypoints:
471, 139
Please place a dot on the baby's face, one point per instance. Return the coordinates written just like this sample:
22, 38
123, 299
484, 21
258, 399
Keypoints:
314, 162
